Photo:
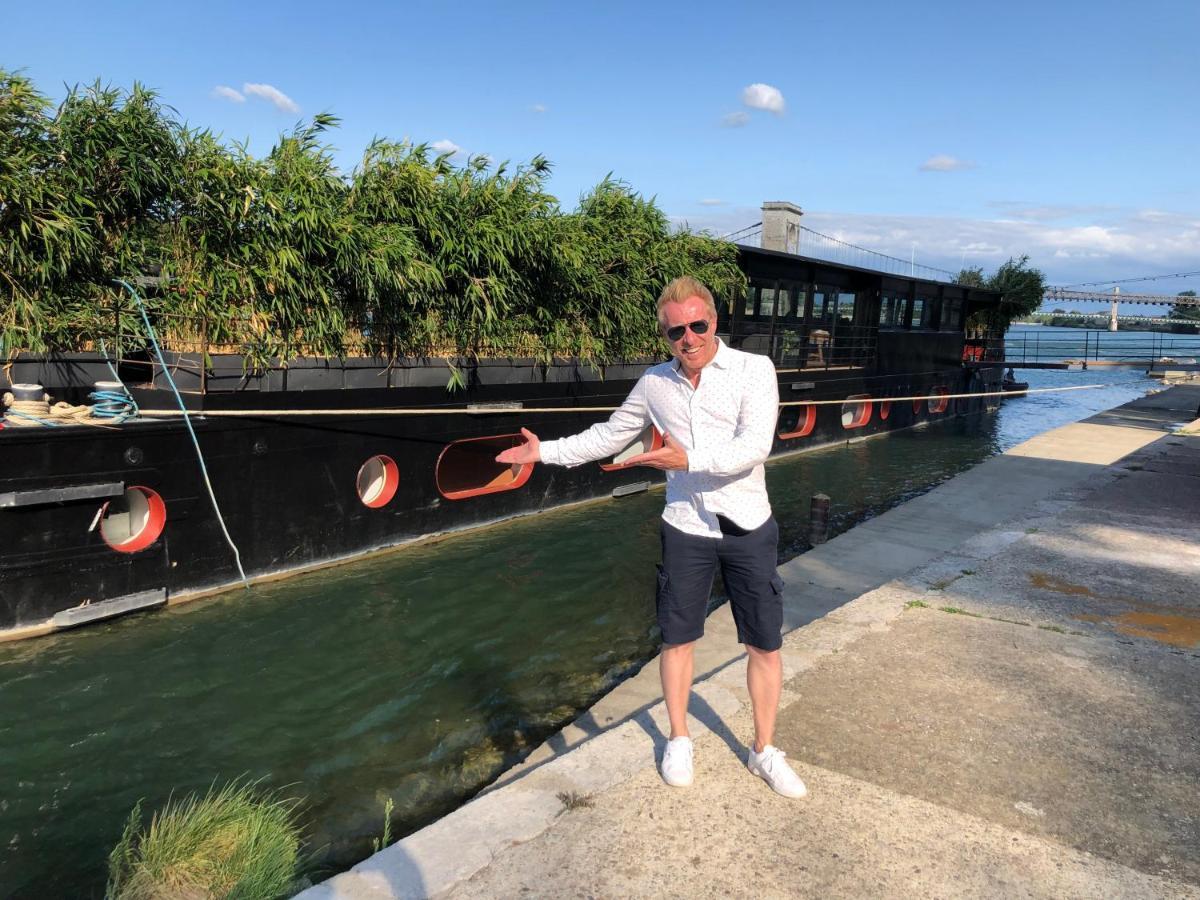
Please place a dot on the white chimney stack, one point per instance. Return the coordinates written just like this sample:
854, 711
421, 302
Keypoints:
781, 226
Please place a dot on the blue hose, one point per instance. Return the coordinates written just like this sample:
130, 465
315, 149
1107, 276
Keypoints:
115, 405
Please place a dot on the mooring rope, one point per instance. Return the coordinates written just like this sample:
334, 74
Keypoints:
35, 413
114, 405
494, 410
237, 557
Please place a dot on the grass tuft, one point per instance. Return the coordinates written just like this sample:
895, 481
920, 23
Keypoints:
959, 612
571, 800
233, 842
380, 842
916, 604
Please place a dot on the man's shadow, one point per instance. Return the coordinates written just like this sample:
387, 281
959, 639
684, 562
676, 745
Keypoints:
705, 714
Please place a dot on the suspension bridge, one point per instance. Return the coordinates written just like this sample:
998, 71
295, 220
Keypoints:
804, 241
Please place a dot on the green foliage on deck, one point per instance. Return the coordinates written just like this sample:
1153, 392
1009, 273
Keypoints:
1021, 285
285, 256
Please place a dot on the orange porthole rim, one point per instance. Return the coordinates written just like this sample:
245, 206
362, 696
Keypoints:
136, 522
806, 421
647, 442
856, 411
377, 481
467, 468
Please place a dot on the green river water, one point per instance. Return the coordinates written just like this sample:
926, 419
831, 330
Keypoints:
417, 675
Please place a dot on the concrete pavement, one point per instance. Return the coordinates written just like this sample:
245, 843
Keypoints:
994, 691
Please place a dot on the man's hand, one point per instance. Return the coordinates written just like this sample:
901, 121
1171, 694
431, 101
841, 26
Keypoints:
528, 452
669, 456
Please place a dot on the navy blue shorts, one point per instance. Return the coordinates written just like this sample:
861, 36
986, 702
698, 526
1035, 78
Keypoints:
747, 562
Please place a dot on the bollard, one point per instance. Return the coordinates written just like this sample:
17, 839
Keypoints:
818, 519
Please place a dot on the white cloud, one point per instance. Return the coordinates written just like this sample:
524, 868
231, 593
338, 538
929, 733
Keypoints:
712, 202
944, 163
225, 92
446, 146
538, 107
1048, 212
735, 119
763, 96
273, 95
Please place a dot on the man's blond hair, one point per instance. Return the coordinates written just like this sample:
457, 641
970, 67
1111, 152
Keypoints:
683, 288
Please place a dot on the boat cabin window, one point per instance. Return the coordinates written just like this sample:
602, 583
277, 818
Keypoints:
766, 301
799, 303
918, 313
933, 312
791, 302
750, 306
761, 298
824, 308
845, 308
888, 306
952, 314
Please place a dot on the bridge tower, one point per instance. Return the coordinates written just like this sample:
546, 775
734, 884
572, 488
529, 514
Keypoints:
781, 226
1112, 316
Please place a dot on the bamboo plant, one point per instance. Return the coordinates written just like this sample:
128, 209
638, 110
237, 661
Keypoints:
285, 256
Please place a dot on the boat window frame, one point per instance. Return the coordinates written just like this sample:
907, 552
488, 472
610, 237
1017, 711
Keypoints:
917, 312
952, 312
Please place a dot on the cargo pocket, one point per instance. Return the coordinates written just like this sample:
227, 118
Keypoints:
777, 585
664, 586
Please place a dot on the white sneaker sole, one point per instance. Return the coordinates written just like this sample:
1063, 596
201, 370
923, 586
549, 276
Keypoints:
791, 795
677, 783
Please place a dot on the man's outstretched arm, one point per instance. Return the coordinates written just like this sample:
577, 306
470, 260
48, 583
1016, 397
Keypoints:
602, 440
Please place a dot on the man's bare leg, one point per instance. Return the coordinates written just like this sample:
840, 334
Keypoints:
675, 669
764, 680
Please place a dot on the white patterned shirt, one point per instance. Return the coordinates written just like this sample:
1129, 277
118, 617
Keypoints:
726, 425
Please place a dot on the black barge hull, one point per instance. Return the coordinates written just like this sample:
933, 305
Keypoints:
290, 489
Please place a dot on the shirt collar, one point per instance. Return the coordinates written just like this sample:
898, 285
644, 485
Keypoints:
720, 359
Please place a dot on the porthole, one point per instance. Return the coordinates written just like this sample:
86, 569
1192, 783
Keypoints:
646, 442
133, 521
377, 481
468, 468
885, 410
856, 411
939, 404
797, 422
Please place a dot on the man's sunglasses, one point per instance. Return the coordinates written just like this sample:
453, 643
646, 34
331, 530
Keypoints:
675, 332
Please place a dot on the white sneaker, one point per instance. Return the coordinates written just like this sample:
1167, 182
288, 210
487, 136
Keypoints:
772, 768
677, 762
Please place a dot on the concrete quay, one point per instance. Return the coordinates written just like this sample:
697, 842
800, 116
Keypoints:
993, 689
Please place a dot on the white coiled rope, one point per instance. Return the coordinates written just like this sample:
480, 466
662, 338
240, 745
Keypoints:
111, 408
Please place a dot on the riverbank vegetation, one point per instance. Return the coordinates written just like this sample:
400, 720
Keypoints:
410, 254
232, 842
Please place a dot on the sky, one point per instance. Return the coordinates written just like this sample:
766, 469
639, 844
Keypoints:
955, 133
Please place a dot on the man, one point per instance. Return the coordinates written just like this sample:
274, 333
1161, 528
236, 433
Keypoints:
716, 408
